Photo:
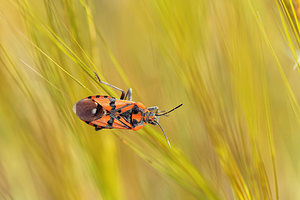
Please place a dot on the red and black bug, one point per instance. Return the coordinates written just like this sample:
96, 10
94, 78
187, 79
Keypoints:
105, 112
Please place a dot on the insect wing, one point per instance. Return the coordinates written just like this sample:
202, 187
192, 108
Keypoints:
120, 121
109, 122
112, 104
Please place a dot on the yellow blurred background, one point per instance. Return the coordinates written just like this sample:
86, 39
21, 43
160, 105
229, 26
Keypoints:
233, 65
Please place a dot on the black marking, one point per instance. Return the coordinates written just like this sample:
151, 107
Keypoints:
134, 123
120, 109
99, 107
112, 103
105, 96
135, 110
97, 96
87, 122
110, 123
89, 97
118, 118
126, 115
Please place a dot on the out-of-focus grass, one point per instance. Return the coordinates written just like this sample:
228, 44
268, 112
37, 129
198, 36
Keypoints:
228, 62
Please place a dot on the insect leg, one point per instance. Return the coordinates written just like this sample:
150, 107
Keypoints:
129, 94
155, 108
123, 93
98, 129
152, 108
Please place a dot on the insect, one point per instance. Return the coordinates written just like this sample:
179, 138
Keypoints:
106, 112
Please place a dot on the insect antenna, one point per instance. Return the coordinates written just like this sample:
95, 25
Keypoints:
164, 133
169, 110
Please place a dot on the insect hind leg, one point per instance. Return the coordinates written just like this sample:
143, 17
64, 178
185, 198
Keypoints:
123, 93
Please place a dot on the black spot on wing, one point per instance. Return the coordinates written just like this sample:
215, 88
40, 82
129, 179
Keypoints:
89, 97
105, 96
87, 122
112, 103
126, 115
110, 123
135, 109
97, 96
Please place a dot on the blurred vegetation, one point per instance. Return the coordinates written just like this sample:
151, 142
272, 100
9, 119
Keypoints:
233, 64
